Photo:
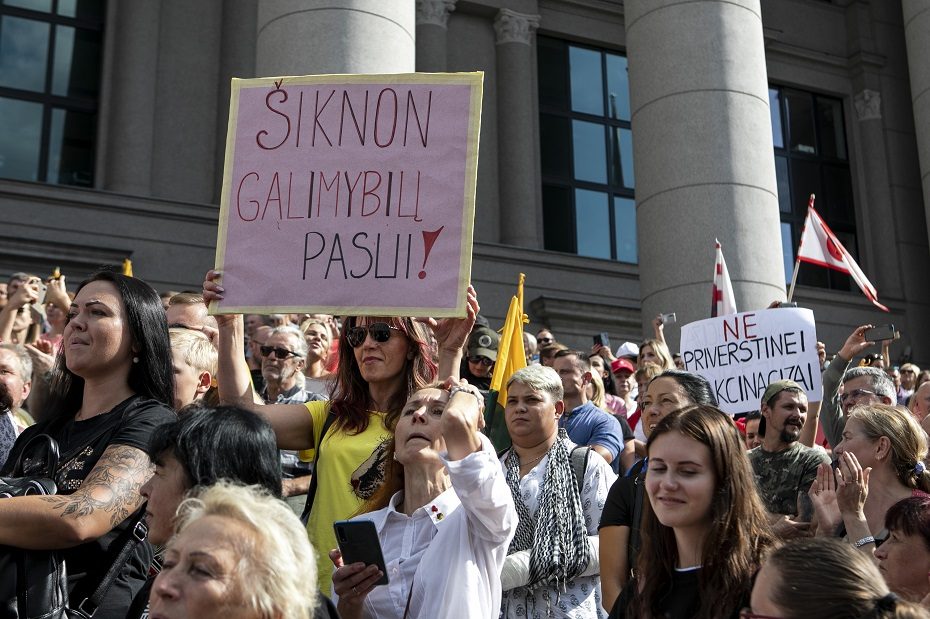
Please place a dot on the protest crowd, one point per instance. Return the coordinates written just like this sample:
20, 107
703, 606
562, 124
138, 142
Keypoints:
306, 465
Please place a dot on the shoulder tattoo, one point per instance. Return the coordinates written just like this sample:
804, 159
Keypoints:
112, 486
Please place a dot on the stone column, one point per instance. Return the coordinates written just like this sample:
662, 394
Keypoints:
878, 241
186, 100
519, 212
130, 135
432, 27
237, 59
917, 37
308, 37
702, 142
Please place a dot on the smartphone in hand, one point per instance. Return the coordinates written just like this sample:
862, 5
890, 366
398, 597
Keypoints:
358, 542
881, 333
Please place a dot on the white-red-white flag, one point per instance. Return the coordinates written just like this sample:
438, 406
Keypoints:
724, 302
821, 247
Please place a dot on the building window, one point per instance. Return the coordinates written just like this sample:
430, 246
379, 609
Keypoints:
50, 59
587, 151
811, 157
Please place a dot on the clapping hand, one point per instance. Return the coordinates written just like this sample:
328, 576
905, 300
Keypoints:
823, 495
852, 485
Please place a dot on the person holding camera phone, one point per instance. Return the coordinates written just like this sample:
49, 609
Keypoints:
444, 516
17, 323
382, 361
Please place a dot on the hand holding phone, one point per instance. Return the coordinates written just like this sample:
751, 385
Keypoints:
358, 542
881, 333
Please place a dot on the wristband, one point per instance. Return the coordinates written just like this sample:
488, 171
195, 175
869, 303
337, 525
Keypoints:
868, 539
458, 389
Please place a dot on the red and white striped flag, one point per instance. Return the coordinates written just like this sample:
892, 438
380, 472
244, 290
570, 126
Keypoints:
821, 247
723, 302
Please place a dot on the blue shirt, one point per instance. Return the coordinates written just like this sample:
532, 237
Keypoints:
589, 425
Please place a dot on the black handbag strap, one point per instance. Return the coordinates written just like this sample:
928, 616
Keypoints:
579, 458
311, 492
118, 554
638, 492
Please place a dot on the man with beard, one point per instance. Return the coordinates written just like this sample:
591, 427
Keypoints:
785, 468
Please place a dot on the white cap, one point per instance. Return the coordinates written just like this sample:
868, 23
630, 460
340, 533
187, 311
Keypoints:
628, 349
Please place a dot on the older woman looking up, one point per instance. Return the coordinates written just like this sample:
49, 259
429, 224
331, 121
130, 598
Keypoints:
444, 487
880, 462
112, 386
238, 553
381, 362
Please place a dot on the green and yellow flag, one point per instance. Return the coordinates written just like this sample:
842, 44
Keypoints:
511, 357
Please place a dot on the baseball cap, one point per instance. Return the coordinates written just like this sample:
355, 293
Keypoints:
771, 391
628, 349
622, 364
483, 342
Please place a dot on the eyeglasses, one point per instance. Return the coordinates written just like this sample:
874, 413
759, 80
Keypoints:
747, 613
544, 340
855, 394
480, 360
379, 331
279, 353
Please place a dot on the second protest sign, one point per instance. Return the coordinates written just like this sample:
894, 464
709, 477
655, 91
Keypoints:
741, 354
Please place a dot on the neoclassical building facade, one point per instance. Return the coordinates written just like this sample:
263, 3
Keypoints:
619, 139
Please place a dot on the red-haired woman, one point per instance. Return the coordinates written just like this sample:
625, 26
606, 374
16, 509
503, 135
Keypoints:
382, 361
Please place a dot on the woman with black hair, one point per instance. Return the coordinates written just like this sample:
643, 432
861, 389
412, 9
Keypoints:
382, 361
112, 385
205, 445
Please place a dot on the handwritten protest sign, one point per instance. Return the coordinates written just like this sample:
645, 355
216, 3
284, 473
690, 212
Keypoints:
741, 354
350, 194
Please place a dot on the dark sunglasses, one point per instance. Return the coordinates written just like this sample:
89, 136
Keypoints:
279, 353
482, 360
545, 340
379, 331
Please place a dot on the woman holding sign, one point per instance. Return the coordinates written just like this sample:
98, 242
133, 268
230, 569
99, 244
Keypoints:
382, 361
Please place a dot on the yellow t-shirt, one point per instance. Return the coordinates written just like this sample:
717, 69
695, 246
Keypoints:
351, 468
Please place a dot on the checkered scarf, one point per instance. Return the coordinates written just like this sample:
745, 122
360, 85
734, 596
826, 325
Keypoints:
557, 535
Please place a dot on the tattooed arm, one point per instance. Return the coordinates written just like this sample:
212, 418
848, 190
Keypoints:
107, 497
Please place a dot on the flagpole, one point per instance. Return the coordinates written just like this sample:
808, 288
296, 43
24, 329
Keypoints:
797, 263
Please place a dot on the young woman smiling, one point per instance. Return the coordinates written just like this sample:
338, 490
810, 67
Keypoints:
704, 527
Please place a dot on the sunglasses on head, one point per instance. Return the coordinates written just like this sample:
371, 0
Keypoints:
379, 331
279, 353
480, 360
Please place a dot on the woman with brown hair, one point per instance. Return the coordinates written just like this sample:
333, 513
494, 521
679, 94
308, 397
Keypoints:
704, 526
827, 579
381, 362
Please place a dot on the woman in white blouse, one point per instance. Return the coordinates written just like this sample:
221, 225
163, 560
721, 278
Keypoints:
445, 517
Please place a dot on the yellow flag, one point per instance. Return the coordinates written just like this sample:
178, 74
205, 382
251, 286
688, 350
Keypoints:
127, 267
511, 355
